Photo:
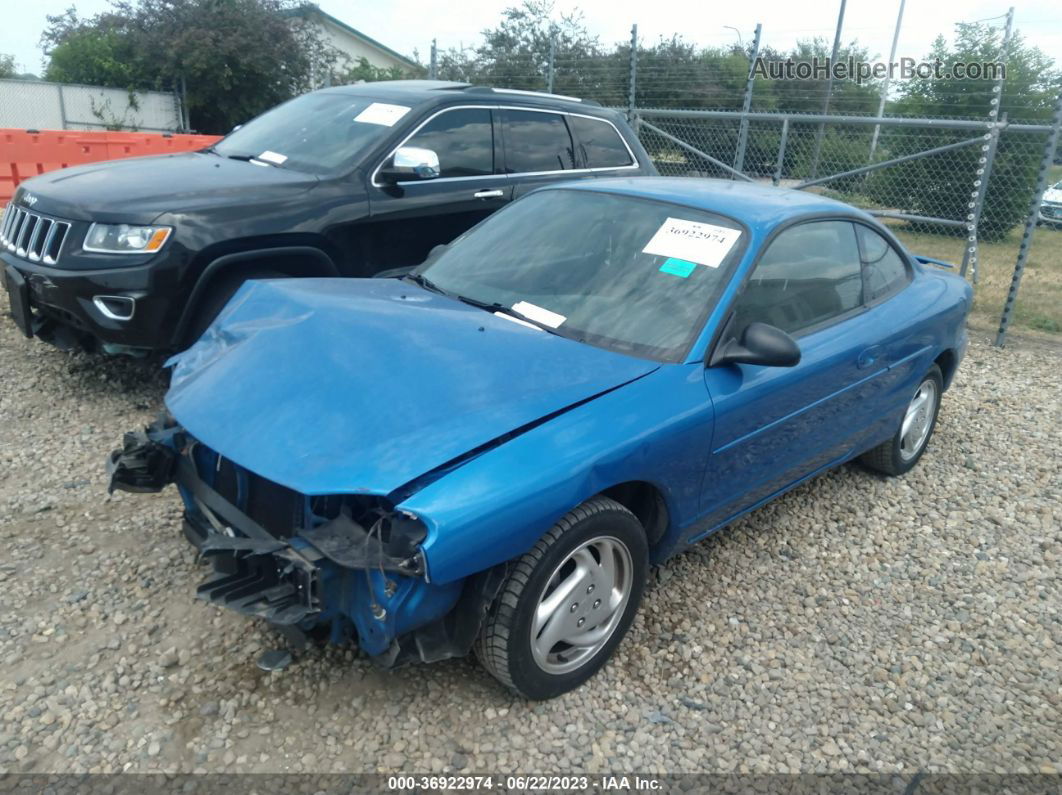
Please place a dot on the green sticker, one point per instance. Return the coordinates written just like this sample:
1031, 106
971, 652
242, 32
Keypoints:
678, 267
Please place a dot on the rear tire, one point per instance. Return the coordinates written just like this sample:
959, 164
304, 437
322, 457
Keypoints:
905, 448
219, 292
567, 603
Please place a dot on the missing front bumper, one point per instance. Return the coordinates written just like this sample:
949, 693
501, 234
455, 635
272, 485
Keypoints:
313, 570
261, 580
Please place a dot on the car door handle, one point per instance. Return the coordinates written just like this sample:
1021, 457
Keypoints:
488, 194
869, 356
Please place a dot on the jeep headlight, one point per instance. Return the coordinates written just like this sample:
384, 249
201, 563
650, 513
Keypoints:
126, 238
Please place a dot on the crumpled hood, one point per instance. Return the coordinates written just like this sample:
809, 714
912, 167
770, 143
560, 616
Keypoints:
1053, 195
139, 189
332, 386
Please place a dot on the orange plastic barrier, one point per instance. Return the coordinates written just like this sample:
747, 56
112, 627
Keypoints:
27, 153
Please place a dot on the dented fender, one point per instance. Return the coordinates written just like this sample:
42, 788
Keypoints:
495, 506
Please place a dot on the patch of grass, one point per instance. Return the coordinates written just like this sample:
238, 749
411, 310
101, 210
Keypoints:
1039, 304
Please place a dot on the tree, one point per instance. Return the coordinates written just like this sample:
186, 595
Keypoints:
515, 54
940, 185
234, 58
95, 53
7, 66
365, 72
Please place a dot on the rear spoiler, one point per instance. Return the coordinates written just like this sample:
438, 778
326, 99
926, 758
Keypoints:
931, 261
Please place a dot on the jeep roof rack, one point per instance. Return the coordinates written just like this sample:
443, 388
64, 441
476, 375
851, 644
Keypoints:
480, 89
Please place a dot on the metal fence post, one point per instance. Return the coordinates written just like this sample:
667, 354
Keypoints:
885, 83
552, 58
743, 133
433, 64
633, 72
781, 152
997, 89
62, 105
1030, 223
982, 174
829, 92
178, 114
184, 106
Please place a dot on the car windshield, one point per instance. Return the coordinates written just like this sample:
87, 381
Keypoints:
318, 133
628, 274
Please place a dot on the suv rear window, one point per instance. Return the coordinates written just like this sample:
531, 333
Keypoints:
599, 143
537, 141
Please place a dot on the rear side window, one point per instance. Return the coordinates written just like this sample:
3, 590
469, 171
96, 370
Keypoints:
537, 142
884, 272
599, 143
809, 274
463, 139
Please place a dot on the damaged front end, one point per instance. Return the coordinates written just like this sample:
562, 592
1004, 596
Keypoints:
348, 564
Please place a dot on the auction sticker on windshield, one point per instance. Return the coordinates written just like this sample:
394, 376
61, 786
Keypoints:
382, 113
705, 244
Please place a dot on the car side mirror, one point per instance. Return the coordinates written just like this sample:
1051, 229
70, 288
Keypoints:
761, 344
411, 163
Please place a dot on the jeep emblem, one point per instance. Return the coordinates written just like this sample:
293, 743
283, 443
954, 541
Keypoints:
29, 200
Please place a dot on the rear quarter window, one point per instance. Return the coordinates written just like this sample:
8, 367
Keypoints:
884, 271
600, 146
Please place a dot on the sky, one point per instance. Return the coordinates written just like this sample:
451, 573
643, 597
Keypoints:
410, 25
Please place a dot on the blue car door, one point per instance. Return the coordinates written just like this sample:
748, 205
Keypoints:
775, 425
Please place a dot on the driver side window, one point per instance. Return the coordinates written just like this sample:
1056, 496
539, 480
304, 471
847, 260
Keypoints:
463, 139
809, 274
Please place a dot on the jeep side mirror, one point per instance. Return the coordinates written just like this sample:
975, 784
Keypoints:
761, 344
411, 163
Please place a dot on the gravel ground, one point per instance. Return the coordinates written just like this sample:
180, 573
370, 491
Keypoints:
857, 624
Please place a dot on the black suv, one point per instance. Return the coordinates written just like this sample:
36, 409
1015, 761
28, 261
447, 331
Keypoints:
141, 254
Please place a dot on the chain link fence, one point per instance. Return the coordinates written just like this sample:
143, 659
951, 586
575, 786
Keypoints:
960, 189
35, 104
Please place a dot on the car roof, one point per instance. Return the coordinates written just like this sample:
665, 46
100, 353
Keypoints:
415, 92
754, 204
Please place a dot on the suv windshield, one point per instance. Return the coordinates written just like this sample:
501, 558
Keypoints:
632, 275
317, 133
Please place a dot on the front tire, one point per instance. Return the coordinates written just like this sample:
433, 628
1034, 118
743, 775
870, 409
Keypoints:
568, 602
902, 451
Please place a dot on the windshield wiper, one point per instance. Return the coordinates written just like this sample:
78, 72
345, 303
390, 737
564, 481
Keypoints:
249, 158
488, 306
502, 309
423, 281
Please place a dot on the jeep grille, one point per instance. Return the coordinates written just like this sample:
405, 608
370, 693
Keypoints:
31, 235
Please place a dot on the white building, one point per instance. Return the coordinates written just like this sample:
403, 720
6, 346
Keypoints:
351, 44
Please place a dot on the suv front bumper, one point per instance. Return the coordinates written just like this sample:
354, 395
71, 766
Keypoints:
60, 305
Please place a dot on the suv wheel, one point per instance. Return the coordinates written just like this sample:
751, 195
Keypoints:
568, 602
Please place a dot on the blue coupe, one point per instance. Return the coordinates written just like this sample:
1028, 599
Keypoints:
489, 451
